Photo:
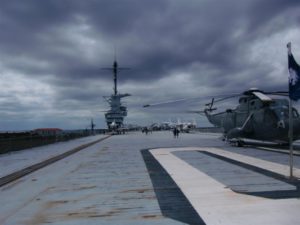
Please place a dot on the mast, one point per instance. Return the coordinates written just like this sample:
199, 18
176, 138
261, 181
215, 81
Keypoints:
117, 111
115, 69
115, 72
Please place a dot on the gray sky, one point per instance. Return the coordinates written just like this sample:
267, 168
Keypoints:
52, 52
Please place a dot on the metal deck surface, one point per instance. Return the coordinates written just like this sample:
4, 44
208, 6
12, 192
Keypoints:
154, 179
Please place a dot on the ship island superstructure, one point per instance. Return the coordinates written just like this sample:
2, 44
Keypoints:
115, 115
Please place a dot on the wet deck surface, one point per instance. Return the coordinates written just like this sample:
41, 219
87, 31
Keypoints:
125, 180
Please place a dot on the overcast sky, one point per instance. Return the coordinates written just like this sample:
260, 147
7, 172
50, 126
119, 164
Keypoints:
52, 52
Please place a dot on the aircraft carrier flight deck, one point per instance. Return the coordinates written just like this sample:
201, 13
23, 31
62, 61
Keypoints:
144, 179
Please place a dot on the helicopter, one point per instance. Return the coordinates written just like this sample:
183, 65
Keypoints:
259, 117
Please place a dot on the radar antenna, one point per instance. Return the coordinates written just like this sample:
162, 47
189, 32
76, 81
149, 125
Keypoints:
115, 69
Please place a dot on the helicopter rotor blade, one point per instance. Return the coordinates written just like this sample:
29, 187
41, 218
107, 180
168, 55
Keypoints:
167, 102
227, 97
195, 111
280, 93
179, 101
191, 99
262, 96
200, 112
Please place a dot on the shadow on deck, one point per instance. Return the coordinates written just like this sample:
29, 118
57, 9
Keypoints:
172, 202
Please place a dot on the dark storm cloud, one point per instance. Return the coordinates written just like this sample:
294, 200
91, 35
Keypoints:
24, 22
158, 36
263, 13
67, 42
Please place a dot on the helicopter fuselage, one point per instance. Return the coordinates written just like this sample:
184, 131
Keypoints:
255, 119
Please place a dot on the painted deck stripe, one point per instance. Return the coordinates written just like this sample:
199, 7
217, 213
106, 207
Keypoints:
217, 204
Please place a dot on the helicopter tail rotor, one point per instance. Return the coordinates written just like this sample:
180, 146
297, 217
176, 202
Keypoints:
210, 106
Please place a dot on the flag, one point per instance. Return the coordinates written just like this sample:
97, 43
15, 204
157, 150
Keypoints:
294, 76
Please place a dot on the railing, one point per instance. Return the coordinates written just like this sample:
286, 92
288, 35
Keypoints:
10, 142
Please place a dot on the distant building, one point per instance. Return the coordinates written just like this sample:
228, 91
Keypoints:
48, 131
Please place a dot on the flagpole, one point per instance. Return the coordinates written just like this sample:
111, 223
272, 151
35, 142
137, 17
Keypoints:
291, 65
291, 136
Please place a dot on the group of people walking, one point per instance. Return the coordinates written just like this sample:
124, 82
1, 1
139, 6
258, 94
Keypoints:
176, 132
146, 130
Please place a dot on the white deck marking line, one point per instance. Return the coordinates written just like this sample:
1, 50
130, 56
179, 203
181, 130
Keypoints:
260, 163
217, 204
